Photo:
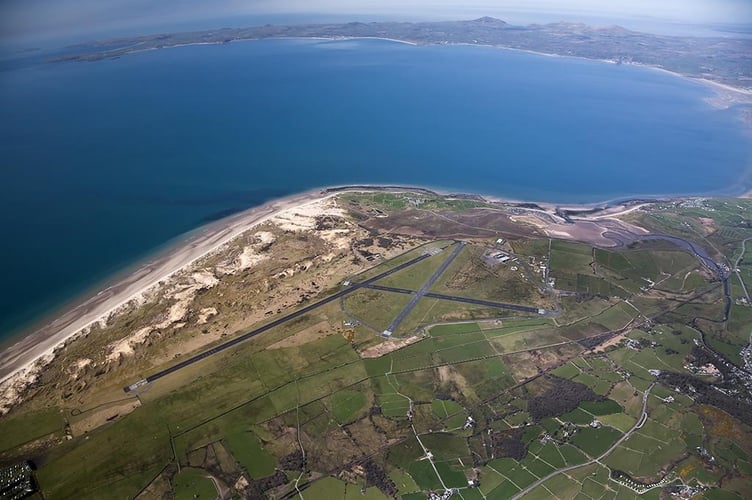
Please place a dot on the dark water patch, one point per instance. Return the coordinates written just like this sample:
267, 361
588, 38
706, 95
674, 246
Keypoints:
222, 214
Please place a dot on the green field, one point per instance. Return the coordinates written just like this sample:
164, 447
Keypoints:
598, 408
29, 427
247, 449
307, 403
595, 441
442, 408
193, 484
347, 405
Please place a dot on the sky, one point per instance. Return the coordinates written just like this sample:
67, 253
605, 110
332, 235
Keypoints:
84, 19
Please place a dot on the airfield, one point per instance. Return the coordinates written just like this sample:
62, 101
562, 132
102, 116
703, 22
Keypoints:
488, 359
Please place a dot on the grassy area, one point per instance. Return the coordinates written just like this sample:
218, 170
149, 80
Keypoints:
374, 308
247, 450
87, 467
415, 276
570, 258
453, 329
404, 482
400, 201
347, 405
443, 408
430, 311
424, 475
31, 426
193, 484
380, 267
619, 421
471, 275
304, 384
599, 408
595, 441
537, 248
445, 446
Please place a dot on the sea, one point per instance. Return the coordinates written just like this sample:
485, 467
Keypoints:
103, 163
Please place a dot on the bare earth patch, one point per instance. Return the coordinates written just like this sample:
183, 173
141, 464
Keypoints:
97, 418
388, 346
613, 341
528, 219
451, 379
708, 225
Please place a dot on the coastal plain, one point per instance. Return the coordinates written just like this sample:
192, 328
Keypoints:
403, 343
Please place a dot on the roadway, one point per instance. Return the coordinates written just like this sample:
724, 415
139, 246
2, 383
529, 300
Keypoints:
454, 298
481, 302
738, 272
242, 338
424, 289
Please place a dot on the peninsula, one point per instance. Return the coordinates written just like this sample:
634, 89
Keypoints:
404, 343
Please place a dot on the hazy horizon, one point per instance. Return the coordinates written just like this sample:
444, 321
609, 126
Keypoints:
22, 21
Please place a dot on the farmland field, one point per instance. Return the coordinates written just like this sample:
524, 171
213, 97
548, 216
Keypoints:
490, 399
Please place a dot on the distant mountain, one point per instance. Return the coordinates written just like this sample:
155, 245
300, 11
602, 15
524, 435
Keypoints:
490, 20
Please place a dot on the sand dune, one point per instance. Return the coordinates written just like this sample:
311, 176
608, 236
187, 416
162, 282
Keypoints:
24, 358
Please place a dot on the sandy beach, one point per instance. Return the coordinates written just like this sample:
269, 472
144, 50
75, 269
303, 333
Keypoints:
32, 350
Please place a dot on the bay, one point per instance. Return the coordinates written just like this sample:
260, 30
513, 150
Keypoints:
103, 162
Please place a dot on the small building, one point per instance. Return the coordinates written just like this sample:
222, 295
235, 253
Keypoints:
632, 344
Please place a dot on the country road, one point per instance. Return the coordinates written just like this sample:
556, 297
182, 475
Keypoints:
736, 268
640, 422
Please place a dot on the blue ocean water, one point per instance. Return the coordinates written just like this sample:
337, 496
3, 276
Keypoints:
103, 162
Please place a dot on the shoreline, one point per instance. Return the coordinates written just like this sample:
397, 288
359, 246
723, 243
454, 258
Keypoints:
32, 348
25, 350
722, 90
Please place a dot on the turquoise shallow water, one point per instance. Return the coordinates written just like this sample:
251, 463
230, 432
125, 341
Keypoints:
103, 162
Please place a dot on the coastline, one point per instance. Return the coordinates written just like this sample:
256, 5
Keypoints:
727, 95
29, 353
31, 350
